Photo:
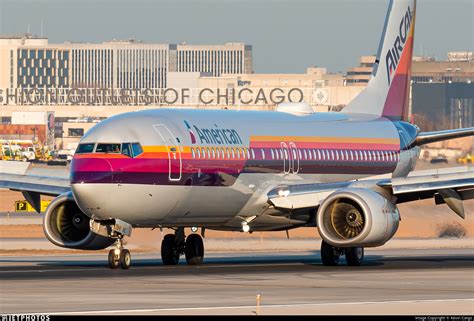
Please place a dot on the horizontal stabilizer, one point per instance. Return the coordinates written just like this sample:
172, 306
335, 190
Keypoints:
437, 136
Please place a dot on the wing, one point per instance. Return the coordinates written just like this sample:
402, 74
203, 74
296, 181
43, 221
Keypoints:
17, 177
450, 186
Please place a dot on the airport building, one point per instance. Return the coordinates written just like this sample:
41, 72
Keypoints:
199, 76
33, 62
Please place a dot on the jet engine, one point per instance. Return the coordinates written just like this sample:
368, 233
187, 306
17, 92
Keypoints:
357, 217
65, 225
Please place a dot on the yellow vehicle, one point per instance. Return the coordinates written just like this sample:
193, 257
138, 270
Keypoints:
7, 153
465, 160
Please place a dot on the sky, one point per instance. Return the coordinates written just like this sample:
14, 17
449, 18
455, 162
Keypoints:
287, 35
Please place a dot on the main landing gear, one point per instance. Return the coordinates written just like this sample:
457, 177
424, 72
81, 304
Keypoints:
175, 245
330, 255
119, 257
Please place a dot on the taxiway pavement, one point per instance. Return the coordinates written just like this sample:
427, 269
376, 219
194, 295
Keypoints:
414, 281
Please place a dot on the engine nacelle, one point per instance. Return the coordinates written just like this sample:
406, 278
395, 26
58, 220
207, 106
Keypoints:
353, 217
65, 225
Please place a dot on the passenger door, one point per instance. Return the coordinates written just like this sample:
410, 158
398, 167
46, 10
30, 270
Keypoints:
295, 158
286, 158
175, 165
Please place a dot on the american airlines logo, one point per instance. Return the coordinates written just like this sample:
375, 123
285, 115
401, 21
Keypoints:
214, 136
395, 53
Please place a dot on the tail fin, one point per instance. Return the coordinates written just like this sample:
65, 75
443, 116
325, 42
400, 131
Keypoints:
387, 92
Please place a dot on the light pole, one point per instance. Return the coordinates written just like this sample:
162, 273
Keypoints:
34, 133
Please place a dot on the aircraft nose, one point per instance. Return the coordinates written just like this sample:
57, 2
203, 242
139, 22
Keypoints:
91, 170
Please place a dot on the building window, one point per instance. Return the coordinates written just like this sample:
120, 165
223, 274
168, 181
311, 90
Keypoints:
76, 132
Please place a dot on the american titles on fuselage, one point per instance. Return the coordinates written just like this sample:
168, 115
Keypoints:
215, 136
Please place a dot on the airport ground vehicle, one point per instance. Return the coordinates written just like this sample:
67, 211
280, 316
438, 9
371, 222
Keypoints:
465, 160
13, 149
439, 159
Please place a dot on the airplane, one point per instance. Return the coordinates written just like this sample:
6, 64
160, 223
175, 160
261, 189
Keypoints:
341, 172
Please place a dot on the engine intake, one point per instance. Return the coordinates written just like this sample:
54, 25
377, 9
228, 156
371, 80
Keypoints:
65, 225
353, 217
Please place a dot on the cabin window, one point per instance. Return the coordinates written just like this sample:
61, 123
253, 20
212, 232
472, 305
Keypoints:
253, 153
305, 154
198, 151
208, 152
108, 148
85, 148
319, 154
365, 155
271, 152
263, 153
352, 155
193, 153
346, 154
233, 153
213, 153
299, 154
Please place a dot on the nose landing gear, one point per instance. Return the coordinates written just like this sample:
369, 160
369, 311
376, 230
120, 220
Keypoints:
119, 257
175, 245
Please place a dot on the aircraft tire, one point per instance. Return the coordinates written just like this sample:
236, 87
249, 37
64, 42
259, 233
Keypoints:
125, 259
113, 260
194, 249
329, 254
354, 255
169, 250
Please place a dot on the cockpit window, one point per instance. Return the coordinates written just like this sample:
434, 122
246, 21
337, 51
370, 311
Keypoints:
137, 149
108, 148
127, 150
85, 148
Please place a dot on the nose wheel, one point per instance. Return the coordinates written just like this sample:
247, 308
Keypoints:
175, 245
119, 257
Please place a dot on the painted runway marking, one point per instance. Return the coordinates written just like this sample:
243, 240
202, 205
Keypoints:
262, 306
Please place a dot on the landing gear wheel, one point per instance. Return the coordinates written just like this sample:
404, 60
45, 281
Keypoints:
114, 259
194, 249
169, 250
329, 254
125, 259
354, 255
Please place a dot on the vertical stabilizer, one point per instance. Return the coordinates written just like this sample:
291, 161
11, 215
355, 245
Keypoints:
388, 90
